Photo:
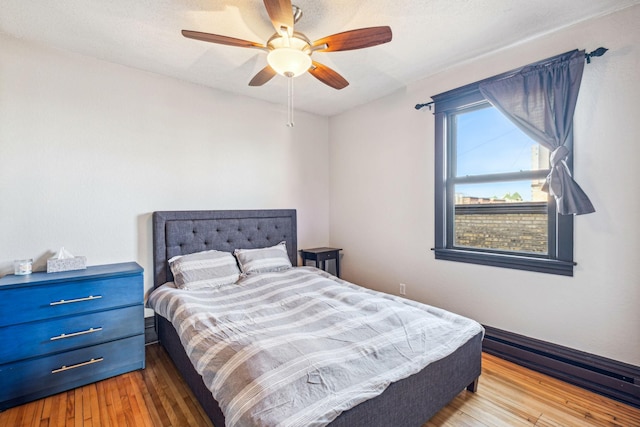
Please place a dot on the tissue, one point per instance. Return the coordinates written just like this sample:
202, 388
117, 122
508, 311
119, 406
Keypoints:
65, 261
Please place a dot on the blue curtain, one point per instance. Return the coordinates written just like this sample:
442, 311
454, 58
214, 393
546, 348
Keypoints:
540, 99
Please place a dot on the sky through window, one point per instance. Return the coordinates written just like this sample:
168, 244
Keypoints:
488, 143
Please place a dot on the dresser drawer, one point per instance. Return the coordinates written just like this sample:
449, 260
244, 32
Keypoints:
45, 337
35, 378
27, 304
326, 256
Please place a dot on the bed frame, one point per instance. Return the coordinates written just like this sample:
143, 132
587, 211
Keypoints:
409, 402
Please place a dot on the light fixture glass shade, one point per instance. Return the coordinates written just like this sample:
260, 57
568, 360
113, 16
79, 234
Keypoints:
285, 61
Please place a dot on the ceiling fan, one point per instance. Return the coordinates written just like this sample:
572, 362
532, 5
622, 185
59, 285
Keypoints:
289, 52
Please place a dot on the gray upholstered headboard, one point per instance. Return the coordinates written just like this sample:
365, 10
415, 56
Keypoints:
185, 232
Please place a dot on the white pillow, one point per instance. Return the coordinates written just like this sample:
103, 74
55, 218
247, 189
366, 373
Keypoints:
204, 269
263, 260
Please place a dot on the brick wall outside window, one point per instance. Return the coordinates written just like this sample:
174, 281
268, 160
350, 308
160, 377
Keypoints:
520, 227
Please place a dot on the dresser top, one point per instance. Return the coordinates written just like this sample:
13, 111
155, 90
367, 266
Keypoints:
92, 272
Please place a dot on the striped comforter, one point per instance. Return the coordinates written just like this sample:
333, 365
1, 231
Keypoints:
298, 347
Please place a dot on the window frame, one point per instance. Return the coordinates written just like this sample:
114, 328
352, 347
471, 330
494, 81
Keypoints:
559, 257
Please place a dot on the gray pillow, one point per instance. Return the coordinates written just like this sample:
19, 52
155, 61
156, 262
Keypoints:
263, 260
204, 269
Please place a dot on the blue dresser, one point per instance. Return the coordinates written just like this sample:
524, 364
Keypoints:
63, 330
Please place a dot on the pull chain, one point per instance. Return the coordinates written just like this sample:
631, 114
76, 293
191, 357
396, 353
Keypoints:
289, 99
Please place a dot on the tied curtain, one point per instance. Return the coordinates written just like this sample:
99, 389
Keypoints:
540, 99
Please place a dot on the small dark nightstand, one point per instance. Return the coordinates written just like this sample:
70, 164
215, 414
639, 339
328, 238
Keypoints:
320, 255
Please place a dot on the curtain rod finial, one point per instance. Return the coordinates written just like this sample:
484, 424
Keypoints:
598, 52
428, 104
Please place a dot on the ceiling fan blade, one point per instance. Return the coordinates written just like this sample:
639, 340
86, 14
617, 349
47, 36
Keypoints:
263, 76
281, 15
354, 39
215, 38
327, 76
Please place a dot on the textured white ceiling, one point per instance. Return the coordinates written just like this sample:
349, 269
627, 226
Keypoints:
428, 36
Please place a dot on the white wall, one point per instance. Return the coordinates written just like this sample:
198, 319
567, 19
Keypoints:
89, 149
382, 192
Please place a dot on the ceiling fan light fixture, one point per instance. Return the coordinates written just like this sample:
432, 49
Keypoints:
288, 62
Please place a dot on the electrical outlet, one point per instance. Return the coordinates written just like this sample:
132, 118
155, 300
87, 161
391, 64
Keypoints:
403, 289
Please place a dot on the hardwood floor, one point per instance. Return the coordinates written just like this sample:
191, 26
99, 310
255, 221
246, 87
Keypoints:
508, 395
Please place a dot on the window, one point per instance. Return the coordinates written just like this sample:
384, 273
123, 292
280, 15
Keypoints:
490, 208
497, 174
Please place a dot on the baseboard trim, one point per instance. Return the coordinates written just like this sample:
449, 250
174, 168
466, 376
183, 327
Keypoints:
610, 378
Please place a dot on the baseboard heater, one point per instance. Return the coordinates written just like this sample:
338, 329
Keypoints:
610, 378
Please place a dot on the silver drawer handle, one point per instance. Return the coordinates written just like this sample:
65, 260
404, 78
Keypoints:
88, 362
69, 301
75, 334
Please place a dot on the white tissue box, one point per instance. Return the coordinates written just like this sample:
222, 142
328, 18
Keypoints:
66, 264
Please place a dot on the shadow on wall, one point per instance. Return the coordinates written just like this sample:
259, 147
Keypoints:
144, 253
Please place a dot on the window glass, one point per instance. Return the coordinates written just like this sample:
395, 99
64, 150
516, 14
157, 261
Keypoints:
500, 192
493, 211
506, 223
487, 142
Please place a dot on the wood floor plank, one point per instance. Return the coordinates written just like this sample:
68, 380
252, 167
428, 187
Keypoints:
122, 393
154, 416
508, 395
490, 413
71, 411
450, 416
63, 409
176, 391
78, 419
157, 411
10, 417
55, 409
94, 406
47, 407
32, 413
162, 401
87, 420
144, 406
103, 405
138, 407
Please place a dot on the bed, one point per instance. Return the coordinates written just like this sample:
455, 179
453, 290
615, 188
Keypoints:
407, 402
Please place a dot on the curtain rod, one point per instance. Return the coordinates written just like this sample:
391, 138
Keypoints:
587, 56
